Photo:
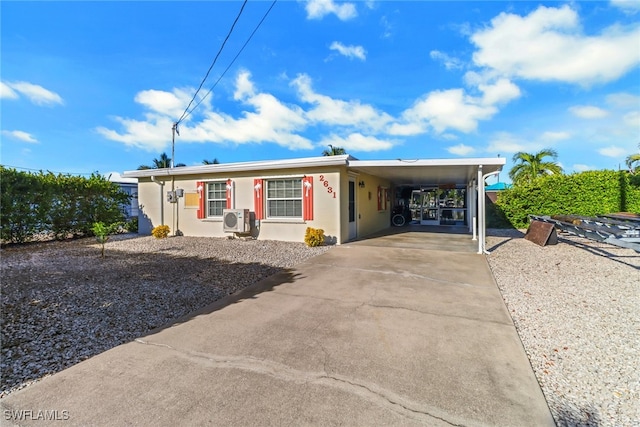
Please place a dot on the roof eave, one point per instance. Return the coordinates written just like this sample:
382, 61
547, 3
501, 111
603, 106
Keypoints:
243, 166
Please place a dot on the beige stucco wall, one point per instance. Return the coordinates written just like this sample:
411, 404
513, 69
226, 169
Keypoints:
327, 205
368, 218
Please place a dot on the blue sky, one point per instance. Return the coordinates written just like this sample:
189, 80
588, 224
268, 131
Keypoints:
96, 86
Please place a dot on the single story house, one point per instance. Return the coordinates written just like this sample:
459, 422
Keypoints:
346, 197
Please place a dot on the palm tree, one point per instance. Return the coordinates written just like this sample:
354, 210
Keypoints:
211, 162
334, 151
530, 166
631, 161
162, 162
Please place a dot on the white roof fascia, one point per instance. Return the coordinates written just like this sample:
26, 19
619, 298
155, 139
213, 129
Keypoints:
488, 161
242, 166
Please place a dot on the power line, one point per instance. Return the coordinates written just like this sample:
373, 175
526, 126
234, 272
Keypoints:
184, 114
232, 61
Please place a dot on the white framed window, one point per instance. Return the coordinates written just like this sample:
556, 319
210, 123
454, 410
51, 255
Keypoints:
216, 198
284, 198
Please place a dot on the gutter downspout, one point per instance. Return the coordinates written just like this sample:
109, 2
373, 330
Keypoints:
161, 184
483, 225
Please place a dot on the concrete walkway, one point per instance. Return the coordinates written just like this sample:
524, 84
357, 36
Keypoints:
369, 333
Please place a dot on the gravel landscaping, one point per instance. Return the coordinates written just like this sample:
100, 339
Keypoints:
576, 306
62, 303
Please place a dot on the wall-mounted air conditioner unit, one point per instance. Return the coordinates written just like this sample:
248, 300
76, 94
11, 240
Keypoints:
236, 221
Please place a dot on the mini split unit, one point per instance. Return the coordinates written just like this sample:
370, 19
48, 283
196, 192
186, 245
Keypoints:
236, 221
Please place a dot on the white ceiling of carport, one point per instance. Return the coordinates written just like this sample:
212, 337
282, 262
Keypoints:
427, 172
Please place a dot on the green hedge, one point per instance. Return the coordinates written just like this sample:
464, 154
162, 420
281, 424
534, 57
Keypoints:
59, 204
587, 193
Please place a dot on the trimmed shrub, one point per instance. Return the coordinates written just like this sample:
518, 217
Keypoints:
314, 237
160, 232
63, 205
588, 193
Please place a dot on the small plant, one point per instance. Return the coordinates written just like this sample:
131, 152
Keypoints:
314, 237
132, 225
160, 232
102, 231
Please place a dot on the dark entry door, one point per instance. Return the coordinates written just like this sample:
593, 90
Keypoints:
353, 229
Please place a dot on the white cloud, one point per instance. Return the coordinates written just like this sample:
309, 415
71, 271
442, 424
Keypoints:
35, 93
578, 167
555, 136
20, 135
244, 86
349, 51
166, 103
548, 45
454, 109
266, 120
152, 134
461, 150
628, 6
612, 151
387, 28
449, 62
329, 111
358, 142
507, 143
588, 112
6, 92
500, 92
632, 119
408, 129
449, 109
318, 9
623, 100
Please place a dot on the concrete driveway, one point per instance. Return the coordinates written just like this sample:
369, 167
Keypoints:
370, 333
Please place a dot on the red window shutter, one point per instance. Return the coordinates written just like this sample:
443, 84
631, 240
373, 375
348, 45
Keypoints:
307, 198
379, 198
258, 198
229, 194
201, 210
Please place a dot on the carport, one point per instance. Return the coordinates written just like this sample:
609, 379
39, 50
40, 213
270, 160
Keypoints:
425, 177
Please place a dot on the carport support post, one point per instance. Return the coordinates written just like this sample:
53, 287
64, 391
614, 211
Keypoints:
483, 226
471, 203
480, 211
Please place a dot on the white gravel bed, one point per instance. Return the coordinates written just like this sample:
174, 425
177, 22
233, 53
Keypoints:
576, 306
62, 303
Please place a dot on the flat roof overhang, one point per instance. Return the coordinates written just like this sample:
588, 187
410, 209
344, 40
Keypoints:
400, 172
428, 172
242, 166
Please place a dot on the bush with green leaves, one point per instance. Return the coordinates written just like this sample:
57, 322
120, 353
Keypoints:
132, 225
588, 193
32, 203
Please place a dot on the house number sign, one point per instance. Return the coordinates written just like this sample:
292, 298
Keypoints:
328, 186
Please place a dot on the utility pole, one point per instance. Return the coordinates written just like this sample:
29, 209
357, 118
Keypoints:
174, 129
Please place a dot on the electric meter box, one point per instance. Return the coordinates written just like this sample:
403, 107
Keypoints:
171, 197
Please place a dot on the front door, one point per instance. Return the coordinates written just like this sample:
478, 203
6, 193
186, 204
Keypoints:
424, 204
353, 227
